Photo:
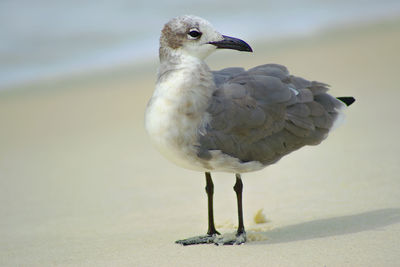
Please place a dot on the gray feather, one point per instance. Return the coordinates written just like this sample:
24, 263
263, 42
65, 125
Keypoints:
265, 113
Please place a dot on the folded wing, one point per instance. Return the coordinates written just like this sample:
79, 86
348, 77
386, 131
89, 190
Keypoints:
265, 113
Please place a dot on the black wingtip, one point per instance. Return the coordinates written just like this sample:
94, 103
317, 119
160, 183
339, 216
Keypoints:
348, 100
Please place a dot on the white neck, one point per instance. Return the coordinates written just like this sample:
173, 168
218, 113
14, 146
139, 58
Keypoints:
182, 76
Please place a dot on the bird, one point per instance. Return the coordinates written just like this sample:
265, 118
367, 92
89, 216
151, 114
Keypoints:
231, 120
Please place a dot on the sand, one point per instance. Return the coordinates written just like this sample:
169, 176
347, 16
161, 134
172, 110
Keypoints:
81, 185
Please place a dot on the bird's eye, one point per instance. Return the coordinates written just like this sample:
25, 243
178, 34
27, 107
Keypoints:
194, 34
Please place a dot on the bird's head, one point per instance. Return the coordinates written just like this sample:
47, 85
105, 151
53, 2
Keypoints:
196, 37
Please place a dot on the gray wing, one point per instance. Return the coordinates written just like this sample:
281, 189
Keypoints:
265, 113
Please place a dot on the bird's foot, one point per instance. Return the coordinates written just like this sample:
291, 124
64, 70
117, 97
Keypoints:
196, 240
231, 239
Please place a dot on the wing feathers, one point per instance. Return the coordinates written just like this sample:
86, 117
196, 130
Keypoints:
264, 113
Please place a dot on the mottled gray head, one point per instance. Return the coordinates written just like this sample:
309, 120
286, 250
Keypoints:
196, 37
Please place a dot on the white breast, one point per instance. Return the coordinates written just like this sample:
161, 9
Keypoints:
174, 115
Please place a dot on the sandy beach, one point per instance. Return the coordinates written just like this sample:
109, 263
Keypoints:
81, 185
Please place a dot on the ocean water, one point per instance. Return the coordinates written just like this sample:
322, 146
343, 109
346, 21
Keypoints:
51, 38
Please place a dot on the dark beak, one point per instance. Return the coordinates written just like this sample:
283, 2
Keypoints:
232, 43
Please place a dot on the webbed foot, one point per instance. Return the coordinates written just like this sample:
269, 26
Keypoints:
231, 239
196, 240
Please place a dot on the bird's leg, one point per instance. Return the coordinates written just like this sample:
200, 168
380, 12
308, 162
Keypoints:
239, 189
240, 236
211, 232
210, 193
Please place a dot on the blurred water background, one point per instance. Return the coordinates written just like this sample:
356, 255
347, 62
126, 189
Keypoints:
51, 38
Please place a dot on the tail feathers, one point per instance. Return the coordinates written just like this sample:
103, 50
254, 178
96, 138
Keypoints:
348, 100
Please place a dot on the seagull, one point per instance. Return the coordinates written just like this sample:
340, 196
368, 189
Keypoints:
232, 120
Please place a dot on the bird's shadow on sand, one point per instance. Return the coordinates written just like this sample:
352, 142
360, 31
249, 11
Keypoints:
332, 226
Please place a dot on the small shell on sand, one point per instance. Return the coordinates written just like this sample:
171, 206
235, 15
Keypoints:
259, 217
